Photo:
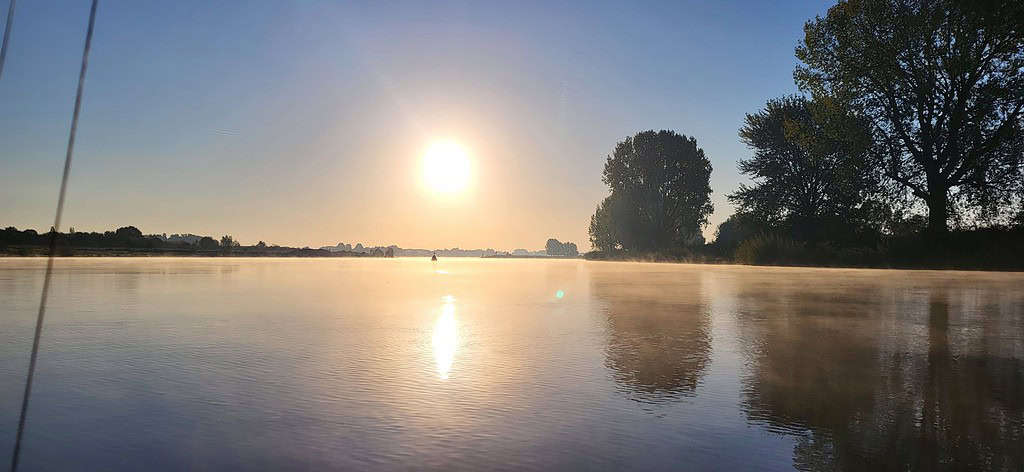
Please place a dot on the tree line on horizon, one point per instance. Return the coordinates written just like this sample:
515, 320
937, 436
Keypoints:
904, 146
15, 241
129, 239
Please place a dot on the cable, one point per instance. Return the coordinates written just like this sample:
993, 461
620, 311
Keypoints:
53, 235
7, 36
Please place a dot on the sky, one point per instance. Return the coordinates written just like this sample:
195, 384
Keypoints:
304, 123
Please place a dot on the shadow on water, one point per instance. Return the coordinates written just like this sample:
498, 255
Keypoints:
658, 333
874, 377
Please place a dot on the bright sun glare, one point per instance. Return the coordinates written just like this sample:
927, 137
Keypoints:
446, 167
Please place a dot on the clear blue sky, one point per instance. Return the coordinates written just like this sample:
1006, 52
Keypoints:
303, 122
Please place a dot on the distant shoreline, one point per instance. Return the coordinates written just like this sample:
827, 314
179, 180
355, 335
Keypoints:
37, 251
244, 251
513, 256
318, 253
132, 242
142, 254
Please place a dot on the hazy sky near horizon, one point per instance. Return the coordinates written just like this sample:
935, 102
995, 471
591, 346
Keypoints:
303, 123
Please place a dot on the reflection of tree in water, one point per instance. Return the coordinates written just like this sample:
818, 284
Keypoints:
891, 381
973, 408
659, 341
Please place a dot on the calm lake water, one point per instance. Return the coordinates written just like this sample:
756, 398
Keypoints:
260, 364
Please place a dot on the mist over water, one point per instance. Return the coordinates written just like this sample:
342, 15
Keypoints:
258, 364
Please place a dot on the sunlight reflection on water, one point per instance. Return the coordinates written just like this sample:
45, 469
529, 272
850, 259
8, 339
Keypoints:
445, 337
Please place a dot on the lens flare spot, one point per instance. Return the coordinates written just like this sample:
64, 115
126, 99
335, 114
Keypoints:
559, 294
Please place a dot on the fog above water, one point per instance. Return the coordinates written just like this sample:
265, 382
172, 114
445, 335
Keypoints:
167, 364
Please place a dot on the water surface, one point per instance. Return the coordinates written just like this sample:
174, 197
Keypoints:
259, 364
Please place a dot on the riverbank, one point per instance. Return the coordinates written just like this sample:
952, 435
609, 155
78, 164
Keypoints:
995, 250
662, 259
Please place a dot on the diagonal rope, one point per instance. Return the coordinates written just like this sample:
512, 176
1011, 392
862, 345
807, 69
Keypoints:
7, 36
53, 235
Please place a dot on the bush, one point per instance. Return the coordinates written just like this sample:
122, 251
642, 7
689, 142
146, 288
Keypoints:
769, 249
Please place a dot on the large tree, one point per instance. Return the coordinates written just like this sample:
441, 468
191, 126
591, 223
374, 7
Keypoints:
943, 84
660, 194
813, 169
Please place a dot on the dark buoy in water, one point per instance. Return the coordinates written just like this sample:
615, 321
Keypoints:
433, 258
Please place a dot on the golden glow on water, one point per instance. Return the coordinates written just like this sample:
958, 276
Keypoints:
445, 338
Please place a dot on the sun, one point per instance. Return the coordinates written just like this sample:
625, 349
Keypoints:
446, 167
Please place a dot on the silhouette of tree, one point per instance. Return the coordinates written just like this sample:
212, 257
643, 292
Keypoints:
127, 232
660, 193
737, 228
812, 167
207, 242
941, 80
227, 241
571, 249
603, 235
555, 247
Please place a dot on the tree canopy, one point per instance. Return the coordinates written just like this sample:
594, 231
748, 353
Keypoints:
813, 169
941, 81
660, 194
554, 247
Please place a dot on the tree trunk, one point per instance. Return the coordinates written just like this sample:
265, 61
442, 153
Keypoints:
938, 209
